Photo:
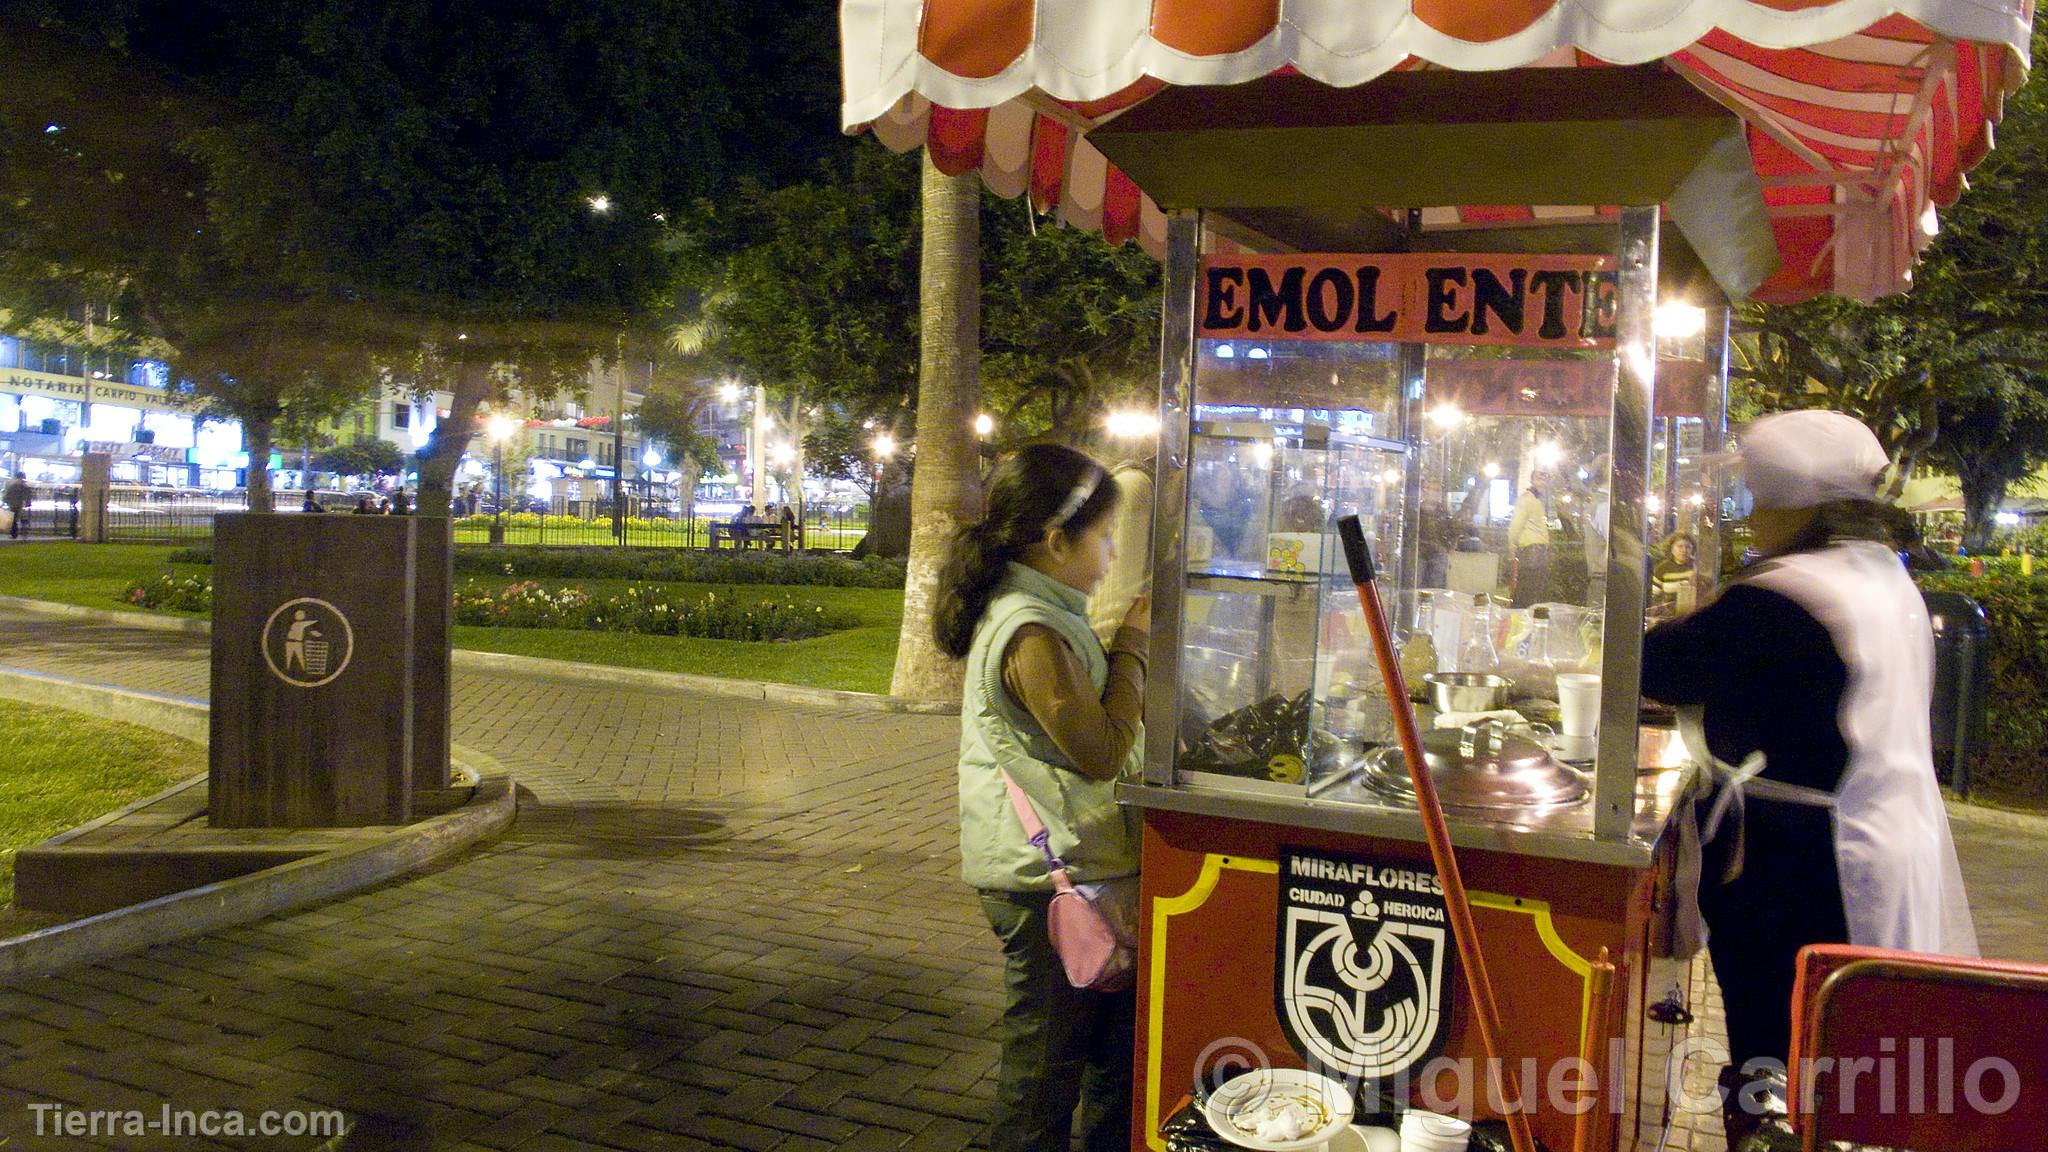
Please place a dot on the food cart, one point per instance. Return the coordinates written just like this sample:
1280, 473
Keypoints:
1396, 288
1293, 916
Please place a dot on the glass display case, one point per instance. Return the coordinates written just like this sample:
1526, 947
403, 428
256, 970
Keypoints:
1483, 474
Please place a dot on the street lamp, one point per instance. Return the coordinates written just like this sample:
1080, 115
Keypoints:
501, 427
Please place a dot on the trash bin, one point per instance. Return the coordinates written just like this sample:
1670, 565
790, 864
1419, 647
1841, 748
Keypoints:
1961, 690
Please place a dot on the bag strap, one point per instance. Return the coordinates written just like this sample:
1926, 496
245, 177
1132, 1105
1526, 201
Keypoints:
1034, 828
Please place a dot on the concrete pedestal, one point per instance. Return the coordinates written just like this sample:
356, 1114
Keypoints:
95, 470
316, 671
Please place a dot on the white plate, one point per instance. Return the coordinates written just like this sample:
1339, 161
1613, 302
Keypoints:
1235, 1109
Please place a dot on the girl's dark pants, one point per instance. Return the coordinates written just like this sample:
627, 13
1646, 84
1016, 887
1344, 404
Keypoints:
1062, 1045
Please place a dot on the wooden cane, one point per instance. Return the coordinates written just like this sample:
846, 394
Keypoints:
1359, 559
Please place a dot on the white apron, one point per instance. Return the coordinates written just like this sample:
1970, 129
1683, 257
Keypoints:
1901, 885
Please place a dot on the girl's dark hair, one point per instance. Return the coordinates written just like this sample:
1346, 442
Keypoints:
1027, 491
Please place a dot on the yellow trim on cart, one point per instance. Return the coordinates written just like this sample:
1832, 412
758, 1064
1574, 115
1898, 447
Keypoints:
1164, 908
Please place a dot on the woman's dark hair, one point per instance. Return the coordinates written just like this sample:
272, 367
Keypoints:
1030, 491
1835, 520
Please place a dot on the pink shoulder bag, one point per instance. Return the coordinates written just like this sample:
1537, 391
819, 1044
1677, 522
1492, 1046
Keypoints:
1093, 927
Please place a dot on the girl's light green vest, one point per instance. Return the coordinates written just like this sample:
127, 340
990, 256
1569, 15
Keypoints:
1095, 837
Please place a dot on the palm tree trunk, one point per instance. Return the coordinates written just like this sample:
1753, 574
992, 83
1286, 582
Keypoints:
945, 491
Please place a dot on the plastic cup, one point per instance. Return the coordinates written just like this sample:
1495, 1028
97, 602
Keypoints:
1578, 703
1433, 1132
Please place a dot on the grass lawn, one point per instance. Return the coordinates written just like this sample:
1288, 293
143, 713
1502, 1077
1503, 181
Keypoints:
858, 659
89, 574
59, 769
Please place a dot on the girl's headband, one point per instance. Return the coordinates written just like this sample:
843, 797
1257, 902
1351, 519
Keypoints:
1079, 496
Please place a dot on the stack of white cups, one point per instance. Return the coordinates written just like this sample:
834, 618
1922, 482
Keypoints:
1433, 1132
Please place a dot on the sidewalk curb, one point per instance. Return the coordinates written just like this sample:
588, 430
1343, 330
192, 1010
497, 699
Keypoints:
703, 685
1970, 813
555, 669
179, 716
197, 911
190, 625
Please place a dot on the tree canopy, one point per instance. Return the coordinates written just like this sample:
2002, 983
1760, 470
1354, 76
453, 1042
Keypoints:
484, 186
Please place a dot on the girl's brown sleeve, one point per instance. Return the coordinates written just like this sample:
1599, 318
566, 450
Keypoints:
1095, 733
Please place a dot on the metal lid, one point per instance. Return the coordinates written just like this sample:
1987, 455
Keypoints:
1487, 767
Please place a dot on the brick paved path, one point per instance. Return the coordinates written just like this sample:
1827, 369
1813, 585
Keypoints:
717, 923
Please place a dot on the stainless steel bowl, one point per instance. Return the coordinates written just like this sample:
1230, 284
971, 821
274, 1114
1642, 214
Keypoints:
1468, 691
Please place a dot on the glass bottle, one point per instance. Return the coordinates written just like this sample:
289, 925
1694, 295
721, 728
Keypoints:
1418, 652
1538, 675
1476, 652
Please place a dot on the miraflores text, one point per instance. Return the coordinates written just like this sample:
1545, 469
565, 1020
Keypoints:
66, 1120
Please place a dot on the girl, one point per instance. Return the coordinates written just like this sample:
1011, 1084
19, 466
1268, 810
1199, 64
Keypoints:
1045, 703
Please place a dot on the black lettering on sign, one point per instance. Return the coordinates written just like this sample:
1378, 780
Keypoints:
1441, 298
1366, 971
1553, 285
1223, 310
1330, 287
1602, 302
1369, 317
1281, 307
1503, 300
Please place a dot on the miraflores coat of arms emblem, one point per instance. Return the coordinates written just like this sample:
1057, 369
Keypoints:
307, 642
1365, 963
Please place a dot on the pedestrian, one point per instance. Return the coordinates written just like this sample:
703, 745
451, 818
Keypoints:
1048, 706
1529, 542
1674, 581
788, 527
1820, 658
1593, 532
17, 499
364, 507
383, 505
401, 503
310, 504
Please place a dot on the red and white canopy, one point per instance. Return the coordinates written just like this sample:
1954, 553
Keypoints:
1860, 114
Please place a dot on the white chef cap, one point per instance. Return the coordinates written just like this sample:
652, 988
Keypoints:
1801, 459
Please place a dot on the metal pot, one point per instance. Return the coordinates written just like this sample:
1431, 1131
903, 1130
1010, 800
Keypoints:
1486, 767
1468, 691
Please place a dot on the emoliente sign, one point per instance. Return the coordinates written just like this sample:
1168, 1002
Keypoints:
1412, 298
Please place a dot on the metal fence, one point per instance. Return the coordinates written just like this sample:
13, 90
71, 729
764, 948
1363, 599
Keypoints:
166, 515
169, 515
833, 532
52, 512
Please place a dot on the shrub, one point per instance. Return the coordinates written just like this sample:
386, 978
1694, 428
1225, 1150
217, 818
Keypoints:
646, 611
2016, 728
679, 566
181, 594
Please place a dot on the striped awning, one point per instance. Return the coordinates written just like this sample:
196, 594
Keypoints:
1861, 115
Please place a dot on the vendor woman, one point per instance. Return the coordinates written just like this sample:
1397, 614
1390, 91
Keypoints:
1819, 657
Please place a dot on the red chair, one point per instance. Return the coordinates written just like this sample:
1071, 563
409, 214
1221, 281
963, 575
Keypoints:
1925, 1053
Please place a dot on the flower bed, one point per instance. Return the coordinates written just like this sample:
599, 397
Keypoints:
679, 566
179, 594
645, 610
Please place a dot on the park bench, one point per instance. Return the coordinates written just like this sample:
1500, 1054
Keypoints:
747, 535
